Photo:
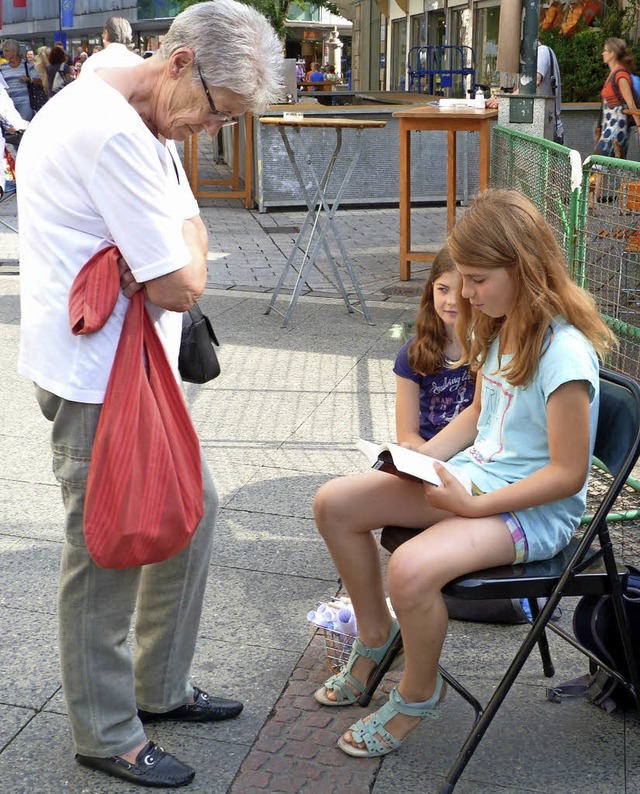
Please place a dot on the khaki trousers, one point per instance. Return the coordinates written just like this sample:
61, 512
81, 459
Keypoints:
105, 683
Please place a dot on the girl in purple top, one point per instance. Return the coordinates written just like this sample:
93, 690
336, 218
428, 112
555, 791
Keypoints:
429, 394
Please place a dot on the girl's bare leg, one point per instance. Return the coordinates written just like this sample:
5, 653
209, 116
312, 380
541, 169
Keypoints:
417, 572
346, 511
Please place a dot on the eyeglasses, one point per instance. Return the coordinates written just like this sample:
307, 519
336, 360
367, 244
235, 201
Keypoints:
226, 121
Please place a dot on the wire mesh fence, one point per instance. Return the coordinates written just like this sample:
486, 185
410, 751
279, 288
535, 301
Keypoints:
607, 257
547, 173
594, 210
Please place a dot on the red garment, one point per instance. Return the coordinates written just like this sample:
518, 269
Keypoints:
611, 92
144, 497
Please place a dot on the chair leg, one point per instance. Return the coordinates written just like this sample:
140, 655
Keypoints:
464, 693
380, 671
502, 690
543, 643
383, 668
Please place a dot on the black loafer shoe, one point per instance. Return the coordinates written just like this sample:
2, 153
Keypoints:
153, 768
205, 709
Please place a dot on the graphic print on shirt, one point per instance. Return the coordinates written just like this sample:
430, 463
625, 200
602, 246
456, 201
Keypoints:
447, 397
496, 401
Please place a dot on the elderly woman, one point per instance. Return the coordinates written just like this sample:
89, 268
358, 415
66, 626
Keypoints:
105, 143
18, 74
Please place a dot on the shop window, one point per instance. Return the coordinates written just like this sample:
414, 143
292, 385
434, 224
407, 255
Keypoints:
418, 31
153, 9
307, 14
486, 45
399, 52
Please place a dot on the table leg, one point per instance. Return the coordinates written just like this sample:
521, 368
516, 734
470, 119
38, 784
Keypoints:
320, 225
322, 204
236, 157
194, 164
248, 159
309, 219
451, 179
405, 200
187, 159
328, 223
485, 154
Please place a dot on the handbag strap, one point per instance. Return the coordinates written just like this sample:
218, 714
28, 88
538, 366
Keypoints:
614, 84
197, 315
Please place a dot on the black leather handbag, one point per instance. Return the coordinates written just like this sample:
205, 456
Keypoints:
37, 96
198, 362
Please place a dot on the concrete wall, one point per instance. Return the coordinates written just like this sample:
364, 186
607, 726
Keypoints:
580, 120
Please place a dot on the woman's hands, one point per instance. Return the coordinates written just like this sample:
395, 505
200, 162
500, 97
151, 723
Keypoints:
128, 284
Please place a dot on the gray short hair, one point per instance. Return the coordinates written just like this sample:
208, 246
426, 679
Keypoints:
11, 44
236, 48
118, 30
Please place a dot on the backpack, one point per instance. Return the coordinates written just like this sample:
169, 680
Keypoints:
594, 626
59, 81
635, 90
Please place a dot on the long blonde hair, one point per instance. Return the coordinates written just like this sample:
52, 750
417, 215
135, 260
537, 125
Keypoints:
502, 228
426, 350
41, 61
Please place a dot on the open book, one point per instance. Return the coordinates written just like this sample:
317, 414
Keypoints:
406, 462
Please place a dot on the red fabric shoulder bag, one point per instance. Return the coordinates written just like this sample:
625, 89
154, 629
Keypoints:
144, 496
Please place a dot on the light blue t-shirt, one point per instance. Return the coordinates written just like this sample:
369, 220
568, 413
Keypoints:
512, 440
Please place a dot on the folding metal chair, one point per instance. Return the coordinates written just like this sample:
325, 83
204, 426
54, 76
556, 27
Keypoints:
585, 567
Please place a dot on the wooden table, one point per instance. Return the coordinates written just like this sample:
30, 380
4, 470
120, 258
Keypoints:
320, 218
451, 121
191, 167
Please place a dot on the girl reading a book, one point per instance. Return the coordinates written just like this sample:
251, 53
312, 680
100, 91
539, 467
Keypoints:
430, 391
533, 338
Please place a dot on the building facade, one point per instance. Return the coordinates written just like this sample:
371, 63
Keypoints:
308, 37
461, 23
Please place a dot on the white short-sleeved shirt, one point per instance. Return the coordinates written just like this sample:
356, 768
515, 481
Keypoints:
113, 55
512, 437
92, 175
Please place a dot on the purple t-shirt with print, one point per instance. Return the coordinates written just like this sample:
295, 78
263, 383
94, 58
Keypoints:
442, 396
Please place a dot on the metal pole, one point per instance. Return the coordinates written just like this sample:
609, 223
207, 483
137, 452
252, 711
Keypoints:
529, 49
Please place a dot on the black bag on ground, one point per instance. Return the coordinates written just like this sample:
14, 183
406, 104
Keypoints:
198, 362
594, 625
486, 610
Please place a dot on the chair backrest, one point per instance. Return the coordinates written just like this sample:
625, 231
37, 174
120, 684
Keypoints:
618, 437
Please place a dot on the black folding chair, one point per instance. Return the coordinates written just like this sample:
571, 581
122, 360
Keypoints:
584, 567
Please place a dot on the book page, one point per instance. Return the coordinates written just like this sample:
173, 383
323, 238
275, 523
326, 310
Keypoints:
411, 462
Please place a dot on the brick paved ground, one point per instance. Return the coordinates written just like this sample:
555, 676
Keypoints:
296, 749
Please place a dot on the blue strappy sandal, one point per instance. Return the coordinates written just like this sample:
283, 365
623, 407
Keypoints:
371, 730
346, 687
